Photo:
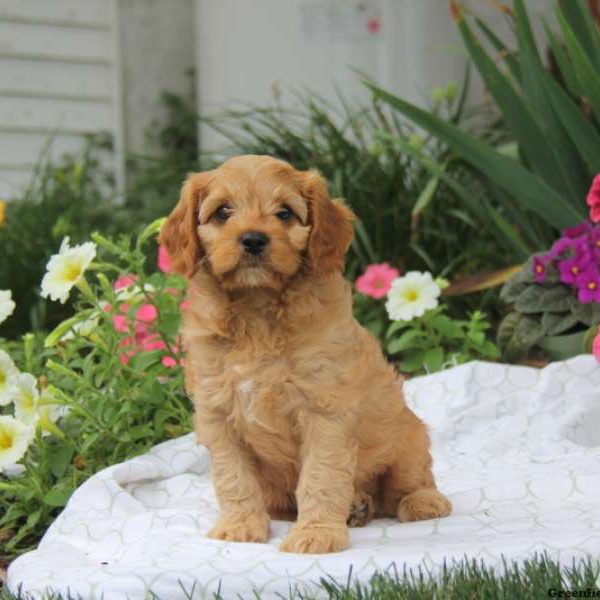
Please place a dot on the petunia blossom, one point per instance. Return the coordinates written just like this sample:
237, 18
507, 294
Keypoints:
593, 199
376, 280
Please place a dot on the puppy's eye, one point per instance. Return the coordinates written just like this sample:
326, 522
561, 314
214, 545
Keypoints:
222, 213
284, 214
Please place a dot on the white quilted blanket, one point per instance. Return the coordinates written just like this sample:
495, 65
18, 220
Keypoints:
516, 449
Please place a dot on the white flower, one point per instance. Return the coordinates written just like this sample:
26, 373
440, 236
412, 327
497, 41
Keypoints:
411, 296
8, 372
7, 305
15, 438
25, 396
65, 269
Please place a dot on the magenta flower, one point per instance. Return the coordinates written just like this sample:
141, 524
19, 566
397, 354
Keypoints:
539, 268
593, 199
589, 286
571, 269
376, 280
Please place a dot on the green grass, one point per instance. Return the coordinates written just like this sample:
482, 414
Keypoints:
467, 579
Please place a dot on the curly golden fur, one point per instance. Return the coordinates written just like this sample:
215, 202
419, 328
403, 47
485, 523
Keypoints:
301, 412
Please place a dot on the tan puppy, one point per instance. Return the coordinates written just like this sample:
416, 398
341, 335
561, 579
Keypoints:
301, 412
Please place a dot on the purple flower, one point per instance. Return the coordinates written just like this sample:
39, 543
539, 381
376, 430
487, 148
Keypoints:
572, 268
589, 286
595, 242
578, 230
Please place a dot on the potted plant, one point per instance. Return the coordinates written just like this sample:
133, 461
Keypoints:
556, 296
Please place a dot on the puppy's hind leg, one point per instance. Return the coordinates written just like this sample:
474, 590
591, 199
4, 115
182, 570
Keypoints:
408, 490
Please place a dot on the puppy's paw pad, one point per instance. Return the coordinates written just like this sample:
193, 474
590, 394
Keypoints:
251, 528
312, 540
422, 505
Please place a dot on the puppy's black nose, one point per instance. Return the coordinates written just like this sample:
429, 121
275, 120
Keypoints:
254, 242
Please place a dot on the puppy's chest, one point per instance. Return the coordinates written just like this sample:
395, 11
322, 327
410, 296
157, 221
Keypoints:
257, 393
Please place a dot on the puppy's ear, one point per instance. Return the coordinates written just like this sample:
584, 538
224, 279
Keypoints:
331, 225
179, 234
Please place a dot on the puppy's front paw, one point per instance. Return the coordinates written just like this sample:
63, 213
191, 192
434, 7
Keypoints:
315, 539
241, 527
423, 504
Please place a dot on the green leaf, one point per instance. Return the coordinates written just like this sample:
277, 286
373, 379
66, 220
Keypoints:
405, 341
413, 362
563, 60
447, 327
588, 314
490, 350
59, 458
476, 337
425, 198
518, 116
57, 496
433, 359
396, 326
145, 360
532, 191
587, 73
534, 76
582, 24
508, 56
557, 323
537, 298
585, 137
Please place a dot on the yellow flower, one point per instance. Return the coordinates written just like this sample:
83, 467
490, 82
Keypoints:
25, 396
15, 438
2, 212
8, 372
65, 269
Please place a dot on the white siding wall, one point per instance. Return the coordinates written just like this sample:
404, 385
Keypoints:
57, 81
244, 47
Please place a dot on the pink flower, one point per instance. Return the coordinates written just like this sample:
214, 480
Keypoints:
596, 346
120, 323
184, 305
164, 262
376, 280
169, 362
146, 313
593, 199
125, 281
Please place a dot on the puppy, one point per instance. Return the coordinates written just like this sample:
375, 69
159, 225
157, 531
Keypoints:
299, 409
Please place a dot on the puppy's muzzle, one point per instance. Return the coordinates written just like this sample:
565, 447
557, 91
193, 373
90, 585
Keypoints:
254, 242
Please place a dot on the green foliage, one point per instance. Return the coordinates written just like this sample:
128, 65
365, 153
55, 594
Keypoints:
558, 141
117, 408
436, 341
538, 310
68, 198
